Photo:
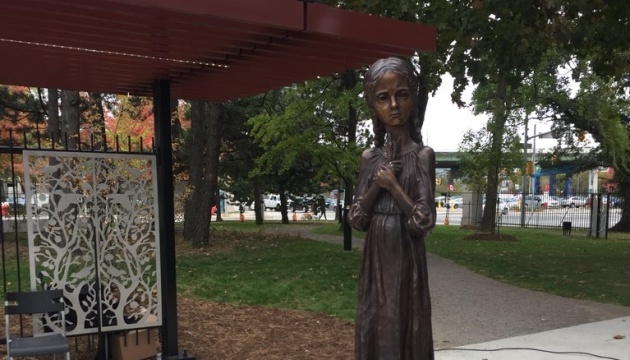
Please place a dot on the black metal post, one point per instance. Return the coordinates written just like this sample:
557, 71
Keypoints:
166, 203
607, 215
347, 231
4, 269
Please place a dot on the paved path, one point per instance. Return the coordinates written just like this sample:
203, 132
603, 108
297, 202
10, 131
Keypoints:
469, 308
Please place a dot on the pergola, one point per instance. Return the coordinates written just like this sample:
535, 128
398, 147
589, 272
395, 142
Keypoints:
213, 50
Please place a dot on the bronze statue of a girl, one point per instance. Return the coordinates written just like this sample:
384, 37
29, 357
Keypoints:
394, 205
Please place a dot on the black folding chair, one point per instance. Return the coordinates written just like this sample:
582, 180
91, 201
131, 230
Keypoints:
49, 323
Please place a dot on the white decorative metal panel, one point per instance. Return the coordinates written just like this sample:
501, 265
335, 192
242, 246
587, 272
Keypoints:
93, 229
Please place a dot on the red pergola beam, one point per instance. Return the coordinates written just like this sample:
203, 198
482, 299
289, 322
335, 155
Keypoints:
122, 46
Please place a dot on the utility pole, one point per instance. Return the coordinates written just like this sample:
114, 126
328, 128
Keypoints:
533, 183
523, 188
525, 143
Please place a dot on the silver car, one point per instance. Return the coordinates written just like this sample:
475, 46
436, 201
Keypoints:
573, 201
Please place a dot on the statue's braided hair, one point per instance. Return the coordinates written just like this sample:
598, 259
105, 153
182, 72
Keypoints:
372, 76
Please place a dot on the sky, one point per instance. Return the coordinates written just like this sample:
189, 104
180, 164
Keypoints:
445, 123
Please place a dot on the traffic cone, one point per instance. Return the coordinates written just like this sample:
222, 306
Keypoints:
242, 217
446, 220
294, 216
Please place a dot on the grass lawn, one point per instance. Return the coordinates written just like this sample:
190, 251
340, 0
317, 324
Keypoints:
252, 265
310, 275
574, 266
256, 268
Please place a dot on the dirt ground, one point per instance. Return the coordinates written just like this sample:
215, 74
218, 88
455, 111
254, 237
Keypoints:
211, 331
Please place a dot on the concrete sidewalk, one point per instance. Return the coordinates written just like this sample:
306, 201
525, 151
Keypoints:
609, 339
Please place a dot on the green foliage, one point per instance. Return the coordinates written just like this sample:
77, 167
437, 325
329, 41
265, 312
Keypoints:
308, 132
475, 156
596, 30
594, 105
601, 108
238, 149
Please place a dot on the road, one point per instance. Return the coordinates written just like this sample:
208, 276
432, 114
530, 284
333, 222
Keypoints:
579, 217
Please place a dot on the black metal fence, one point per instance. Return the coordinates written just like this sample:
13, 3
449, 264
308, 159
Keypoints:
596, 211
13, 245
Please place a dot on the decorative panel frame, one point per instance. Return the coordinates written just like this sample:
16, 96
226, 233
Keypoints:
92, 223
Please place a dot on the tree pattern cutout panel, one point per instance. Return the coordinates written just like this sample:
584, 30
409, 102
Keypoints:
96, 233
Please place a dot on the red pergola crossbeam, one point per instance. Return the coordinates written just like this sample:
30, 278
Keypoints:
208, 49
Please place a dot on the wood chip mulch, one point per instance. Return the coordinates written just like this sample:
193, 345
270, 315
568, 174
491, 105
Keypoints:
222, 331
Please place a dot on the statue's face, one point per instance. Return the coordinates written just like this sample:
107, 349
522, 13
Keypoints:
392, 100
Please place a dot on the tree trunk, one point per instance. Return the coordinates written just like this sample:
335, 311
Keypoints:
422, 99
353, 120
70, 118
622, 178
497, 128
283, 206
54, 127
216, 120
204, 134
176, 125
54, 133
97, 114
258, 206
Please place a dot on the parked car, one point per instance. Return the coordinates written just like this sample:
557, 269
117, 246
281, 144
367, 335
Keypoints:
615, 201
332, 203
573, 201
272, 202
16, 205
455, 202
533, 201
301, 203
441, 201
507, 203
553, 202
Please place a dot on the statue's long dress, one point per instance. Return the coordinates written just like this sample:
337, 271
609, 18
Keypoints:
394, 308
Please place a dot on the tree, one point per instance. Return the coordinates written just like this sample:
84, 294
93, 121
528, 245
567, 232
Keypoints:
313, 132
96, 117
130, 125
600, 108
20, 117
501, 45
238, 150
443, 15
474, 156
203, 147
